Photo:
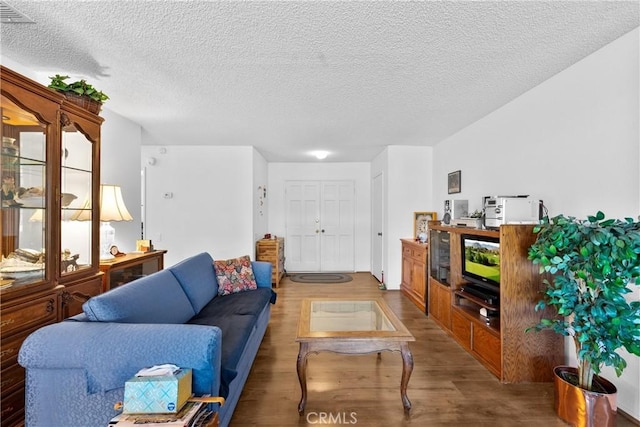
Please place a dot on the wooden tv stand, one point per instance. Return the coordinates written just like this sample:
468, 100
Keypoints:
499, 342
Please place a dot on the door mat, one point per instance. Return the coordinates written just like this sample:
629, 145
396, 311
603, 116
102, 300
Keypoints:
320, 278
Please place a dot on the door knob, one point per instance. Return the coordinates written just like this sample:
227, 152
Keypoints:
380, 234
323, 230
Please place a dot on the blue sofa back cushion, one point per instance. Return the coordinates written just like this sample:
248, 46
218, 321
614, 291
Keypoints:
236, 315
197, 278
144, 300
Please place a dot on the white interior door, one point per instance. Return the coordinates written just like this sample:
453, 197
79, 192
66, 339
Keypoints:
336, 226
320, 225
377, 249
302, 244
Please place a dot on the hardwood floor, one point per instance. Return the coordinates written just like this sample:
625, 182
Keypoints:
448, 386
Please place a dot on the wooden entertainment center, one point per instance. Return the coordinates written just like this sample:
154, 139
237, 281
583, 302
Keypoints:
499, 342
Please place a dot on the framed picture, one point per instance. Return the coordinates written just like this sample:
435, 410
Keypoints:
420, 222
453, 182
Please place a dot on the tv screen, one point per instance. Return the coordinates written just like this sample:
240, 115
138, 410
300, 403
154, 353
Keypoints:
481, 260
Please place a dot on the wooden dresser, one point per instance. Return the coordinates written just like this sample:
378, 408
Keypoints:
414, 272
272, 250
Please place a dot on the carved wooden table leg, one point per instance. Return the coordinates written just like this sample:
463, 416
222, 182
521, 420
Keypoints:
407, 369
302, 374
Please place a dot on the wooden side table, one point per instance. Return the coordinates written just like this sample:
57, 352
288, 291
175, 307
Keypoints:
126, 268
272, 250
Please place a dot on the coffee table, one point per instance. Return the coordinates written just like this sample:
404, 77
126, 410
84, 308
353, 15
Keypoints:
351, 326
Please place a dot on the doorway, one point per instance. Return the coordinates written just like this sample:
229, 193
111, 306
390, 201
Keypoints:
320, 218
377, 247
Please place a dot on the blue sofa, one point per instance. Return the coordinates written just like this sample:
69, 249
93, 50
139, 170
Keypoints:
76, 369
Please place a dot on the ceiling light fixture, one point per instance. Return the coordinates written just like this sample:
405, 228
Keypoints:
320, 155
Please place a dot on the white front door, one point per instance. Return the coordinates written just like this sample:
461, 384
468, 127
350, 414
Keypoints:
336, 226
377, 250
302, 242
320, 225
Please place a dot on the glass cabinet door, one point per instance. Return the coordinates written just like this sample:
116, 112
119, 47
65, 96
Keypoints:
76, 200
23, 169
440, 256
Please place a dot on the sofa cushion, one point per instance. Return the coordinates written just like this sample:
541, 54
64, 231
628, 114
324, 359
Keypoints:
197, 278
144, 300
236, 315
235, 275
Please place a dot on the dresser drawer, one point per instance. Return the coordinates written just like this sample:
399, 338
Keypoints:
417, 253
268, 258
12, 407
9, 348
30, 314
11, 379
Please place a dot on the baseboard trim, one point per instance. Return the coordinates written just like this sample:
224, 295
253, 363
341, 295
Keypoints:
635, 421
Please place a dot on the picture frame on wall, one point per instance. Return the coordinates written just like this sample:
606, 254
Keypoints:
420, 222
454, 182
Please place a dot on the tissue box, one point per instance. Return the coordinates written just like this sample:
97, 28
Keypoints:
157, 394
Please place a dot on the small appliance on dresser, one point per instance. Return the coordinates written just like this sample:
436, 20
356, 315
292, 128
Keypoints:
499, 210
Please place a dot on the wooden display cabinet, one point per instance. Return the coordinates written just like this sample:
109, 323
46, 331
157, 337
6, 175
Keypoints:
415, 257
272, 250
50, 171
499, 342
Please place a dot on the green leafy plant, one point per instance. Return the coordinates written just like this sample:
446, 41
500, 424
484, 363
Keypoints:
80, 87
593, 263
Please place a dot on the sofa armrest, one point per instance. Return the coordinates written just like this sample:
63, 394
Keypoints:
111, 353
262, 273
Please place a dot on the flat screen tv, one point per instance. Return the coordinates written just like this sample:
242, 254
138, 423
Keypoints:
481, 260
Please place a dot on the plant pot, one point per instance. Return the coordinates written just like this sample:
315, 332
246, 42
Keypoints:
85, 102
584, 408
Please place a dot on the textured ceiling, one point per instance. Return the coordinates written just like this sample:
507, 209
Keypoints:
290, 77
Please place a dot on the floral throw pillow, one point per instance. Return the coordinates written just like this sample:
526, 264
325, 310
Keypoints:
235, 275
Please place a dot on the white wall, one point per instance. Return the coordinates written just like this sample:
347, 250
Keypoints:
408, 188
261, 194
572, 141
120, 165
211, 208
358, 172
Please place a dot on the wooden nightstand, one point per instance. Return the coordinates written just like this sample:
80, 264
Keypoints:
126, 268
272, 250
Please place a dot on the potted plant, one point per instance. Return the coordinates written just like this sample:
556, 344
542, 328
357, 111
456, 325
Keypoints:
592, 263
79, 92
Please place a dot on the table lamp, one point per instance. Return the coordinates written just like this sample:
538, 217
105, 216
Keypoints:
112, 208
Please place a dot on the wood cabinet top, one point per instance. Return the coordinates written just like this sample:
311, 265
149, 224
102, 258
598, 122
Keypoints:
131, 257
465, 230
277, 239
414, 242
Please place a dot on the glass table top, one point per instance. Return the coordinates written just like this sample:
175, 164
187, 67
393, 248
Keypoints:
345, 315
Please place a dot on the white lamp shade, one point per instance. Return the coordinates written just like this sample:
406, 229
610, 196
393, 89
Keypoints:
112, 207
